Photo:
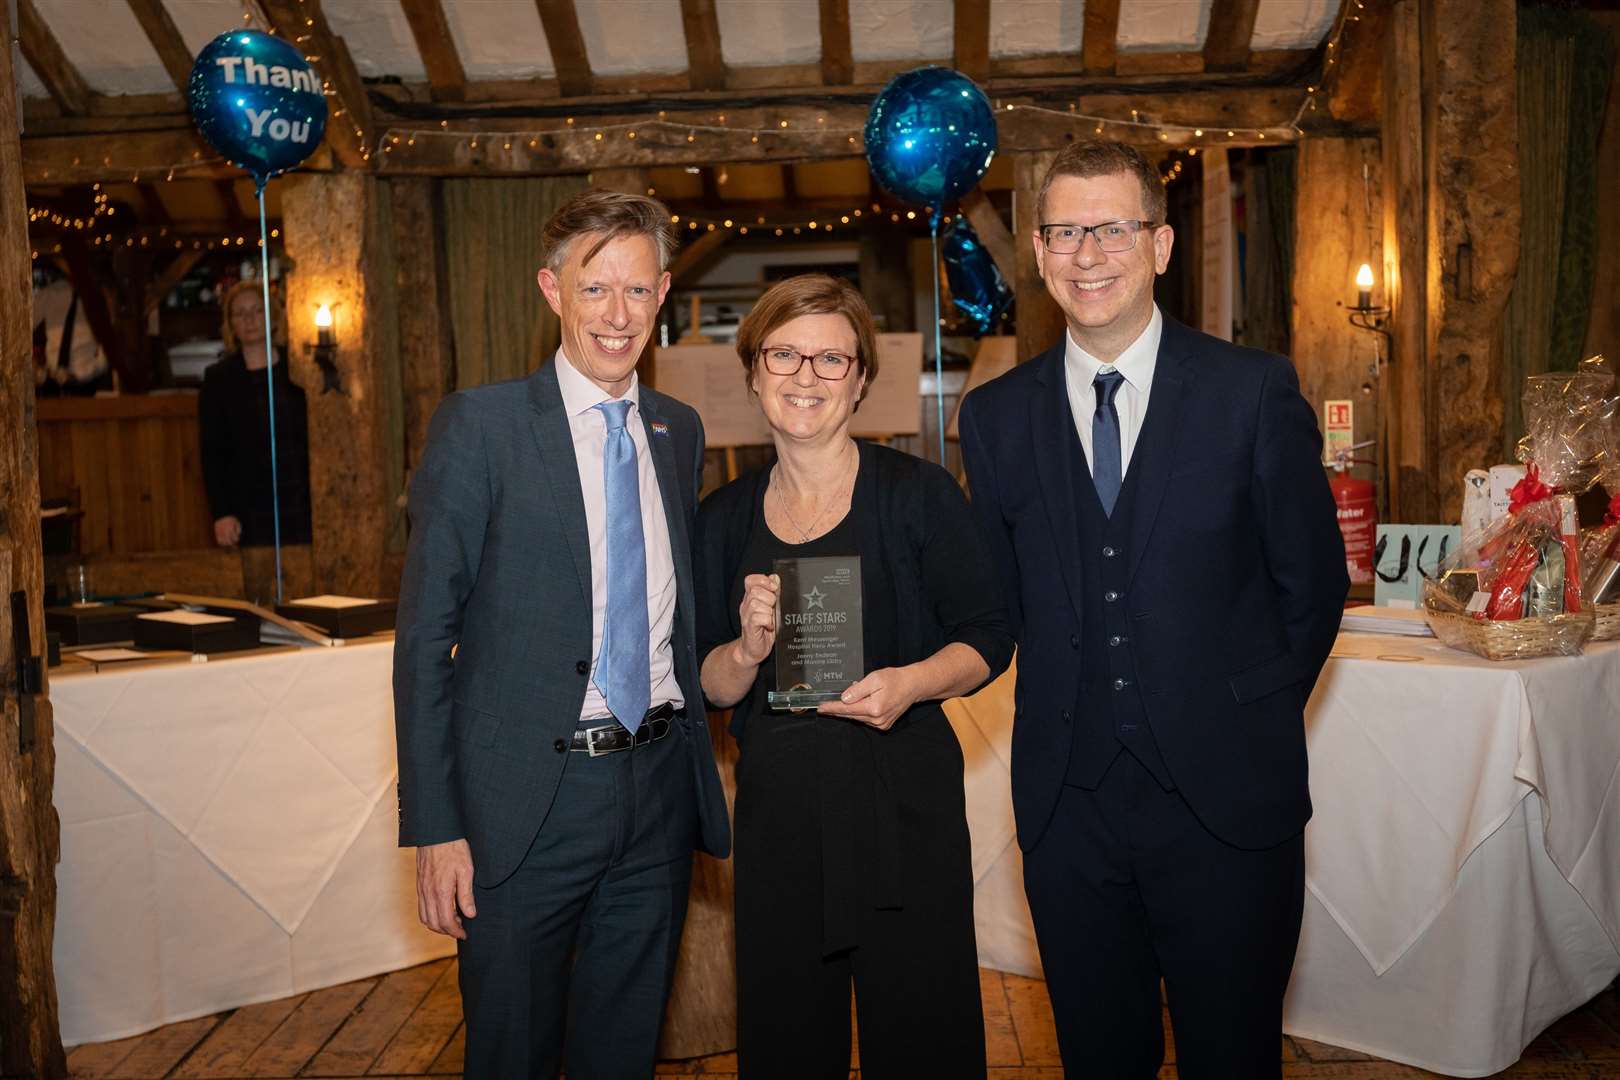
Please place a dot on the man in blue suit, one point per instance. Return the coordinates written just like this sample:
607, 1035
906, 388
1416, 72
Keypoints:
555, 769
1155, 503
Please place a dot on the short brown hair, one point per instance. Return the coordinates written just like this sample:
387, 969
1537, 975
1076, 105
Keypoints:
609, 215
809, 294
1095, 157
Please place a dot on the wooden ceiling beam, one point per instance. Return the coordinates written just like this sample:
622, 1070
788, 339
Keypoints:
568, 55
82, 159
1099, 36
1246, 111
44, 54
170, 279
705, 65
437, 47
165, 38
972, 39
349, 128
697, 254
837, 57
151, 211
1231, 28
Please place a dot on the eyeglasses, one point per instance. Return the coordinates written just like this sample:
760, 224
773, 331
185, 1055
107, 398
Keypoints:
781, 360
1112, 236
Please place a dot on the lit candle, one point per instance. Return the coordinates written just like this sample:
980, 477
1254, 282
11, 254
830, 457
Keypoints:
1364, 283
323, 325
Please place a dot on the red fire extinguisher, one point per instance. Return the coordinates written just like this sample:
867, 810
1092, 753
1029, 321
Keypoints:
1358, 524
1357, 506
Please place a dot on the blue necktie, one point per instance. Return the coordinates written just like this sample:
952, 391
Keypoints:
1106, 467
622, 666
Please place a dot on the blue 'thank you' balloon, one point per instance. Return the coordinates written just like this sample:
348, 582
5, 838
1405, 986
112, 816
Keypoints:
977, 287
257, 101
930, 135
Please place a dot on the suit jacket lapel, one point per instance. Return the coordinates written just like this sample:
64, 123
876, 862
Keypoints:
1051, 428
1154, 455
549, 422
669, 490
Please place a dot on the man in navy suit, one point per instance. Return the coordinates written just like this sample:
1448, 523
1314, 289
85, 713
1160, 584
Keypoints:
555, 769
1154, 501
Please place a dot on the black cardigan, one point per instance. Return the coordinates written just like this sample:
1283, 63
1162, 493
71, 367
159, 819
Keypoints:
911, 516
235, 441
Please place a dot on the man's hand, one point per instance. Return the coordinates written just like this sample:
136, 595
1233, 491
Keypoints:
444, 887
227, 531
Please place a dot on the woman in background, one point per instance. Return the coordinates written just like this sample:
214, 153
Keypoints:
233, 419
851, 838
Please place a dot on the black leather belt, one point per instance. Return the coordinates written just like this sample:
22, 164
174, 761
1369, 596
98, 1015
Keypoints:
614, 736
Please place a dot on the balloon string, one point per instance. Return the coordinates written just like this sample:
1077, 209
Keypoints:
939, 367
270, 387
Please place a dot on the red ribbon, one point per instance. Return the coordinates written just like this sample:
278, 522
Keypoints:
1613, 516
1528, 491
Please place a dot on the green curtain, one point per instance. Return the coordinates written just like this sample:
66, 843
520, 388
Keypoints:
1269, 248
501, 324
1565, 61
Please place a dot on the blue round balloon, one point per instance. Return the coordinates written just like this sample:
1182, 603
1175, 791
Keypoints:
930, 135
257, 101
977, 287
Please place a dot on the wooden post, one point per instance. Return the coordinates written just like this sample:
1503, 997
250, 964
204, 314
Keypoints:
30, 1042
1040, 320
328, 225
1451, 239
1471, 143
426, 347
1333, 358
1409, 462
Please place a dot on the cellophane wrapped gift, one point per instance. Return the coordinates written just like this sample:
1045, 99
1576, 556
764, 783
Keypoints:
1600, 544
1519, 593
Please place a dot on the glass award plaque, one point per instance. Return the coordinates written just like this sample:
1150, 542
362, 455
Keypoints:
819, 648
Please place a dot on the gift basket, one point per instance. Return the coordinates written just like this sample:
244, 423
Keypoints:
1516, 589
1600, 545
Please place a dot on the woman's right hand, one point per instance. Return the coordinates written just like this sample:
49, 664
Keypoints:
227, 531
758, 615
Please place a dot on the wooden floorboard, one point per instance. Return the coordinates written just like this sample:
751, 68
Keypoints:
226, 1050
409, 1024
417, 1045
364, 1036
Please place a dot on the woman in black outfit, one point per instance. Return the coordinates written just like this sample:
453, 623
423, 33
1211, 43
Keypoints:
851, 838
233, 420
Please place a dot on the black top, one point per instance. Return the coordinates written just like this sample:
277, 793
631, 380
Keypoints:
925, 578
925, 582
765, 547
233, 421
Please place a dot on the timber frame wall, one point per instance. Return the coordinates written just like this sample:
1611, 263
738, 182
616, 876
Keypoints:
1418, 91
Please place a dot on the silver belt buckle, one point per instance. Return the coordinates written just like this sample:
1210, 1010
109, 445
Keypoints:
591, 735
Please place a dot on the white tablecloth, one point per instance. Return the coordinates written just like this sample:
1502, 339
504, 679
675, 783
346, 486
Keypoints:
228, 836
1449, 917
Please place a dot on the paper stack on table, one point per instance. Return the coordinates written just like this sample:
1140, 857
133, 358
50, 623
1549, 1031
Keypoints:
1386, 620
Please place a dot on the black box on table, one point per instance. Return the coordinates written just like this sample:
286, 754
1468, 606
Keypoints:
196, 632
340, 618
93, 624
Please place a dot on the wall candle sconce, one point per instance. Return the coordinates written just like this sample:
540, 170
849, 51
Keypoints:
1364, 316
325, 351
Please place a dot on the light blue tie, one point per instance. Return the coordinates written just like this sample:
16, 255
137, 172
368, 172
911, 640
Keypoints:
621, 667
1106, 471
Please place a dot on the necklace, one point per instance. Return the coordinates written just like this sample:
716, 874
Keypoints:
781, 503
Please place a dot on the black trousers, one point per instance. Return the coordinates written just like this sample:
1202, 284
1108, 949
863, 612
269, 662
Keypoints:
914, 964
1127, 887
570, 959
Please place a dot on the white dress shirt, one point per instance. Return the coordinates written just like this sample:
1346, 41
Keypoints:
589, 428
1136, 364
